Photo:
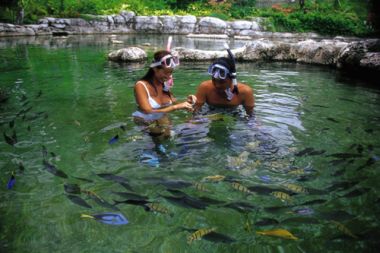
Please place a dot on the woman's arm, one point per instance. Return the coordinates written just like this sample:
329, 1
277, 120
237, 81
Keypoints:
201, 96
141, 97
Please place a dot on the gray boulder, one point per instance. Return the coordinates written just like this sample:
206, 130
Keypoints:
129, 54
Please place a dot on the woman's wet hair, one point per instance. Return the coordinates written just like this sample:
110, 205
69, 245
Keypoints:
148, 77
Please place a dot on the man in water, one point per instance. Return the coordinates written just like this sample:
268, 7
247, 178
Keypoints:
223, 90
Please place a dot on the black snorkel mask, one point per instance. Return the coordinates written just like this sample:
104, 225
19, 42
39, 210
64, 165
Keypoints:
233, 69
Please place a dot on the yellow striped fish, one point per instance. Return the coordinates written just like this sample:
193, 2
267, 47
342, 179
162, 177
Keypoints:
240, 187
215, 178
200, 187
297, 172
157, 207
197, 235
344, 229
282, 196
295, 188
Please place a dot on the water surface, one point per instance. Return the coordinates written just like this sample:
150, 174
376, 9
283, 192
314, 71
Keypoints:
314, 137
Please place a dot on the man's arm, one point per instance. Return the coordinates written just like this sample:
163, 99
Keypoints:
249, 100
201, 96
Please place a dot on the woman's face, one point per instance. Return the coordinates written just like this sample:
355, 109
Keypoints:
163, 74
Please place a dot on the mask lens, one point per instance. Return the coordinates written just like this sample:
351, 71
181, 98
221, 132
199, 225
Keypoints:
222, 74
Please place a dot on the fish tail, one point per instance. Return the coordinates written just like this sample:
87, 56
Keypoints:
87, 216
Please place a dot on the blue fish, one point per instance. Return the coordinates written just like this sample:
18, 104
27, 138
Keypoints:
108, 218
11, 182
113, 139
265, 178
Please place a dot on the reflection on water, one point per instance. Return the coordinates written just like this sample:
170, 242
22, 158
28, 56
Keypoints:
299, 176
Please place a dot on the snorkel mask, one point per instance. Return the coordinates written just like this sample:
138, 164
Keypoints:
233, 69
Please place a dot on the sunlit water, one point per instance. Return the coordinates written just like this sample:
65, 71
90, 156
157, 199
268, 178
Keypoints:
314, 139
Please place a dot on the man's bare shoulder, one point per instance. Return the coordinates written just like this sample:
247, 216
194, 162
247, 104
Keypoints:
245, 88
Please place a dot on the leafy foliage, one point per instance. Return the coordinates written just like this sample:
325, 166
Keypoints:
345, 17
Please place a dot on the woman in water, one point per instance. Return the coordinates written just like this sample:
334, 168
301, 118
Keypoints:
153, 95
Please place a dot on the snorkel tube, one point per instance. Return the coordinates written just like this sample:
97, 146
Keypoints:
169, 83
233, 69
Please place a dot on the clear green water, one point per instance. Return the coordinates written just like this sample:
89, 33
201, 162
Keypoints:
64, 95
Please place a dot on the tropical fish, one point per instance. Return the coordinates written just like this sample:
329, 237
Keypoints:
242, 207
200, 187
187, 202
216, 178
278, 233
301, 220
266, 222
217, 237
304, 152
53, 170
72, 188
344, 229
282, 196
304, 211
100, 201
118, 179
108, 218
78, 200
129, 195
157, 207
197, 235
10, 140
345, 155
113, 140
295, 188
11, 181
240, 187
235, 163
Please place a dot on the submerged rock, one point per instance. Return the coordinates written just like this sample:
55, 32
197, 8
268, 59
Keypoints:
129, 54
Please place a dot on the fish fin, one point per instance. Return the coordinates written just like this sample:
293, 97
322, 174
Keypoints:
87, 216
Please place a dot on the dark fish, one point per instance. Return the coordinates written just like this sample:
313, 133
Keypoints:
39, 94
211, 201
266, 222
28, 128
348, 130
44, 152
332, 120
21, 167
72, 188
317, 152
187, 202
312, 191
242, 207
78, 200
11, 182
11, 123
300, 220
345, 155
369, 162
112, 177
132, 202
337, 162
339, 215
103, 202
23, 98
131, 196
14, 136
52, 154
304, 152
322, 106
370, 131
343, 185
84, 179
9, 140
276, 209
175, 184
218, 237
126, 186
313, 202
356, 192
360, 149
113, 139
53, 170
123, 127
